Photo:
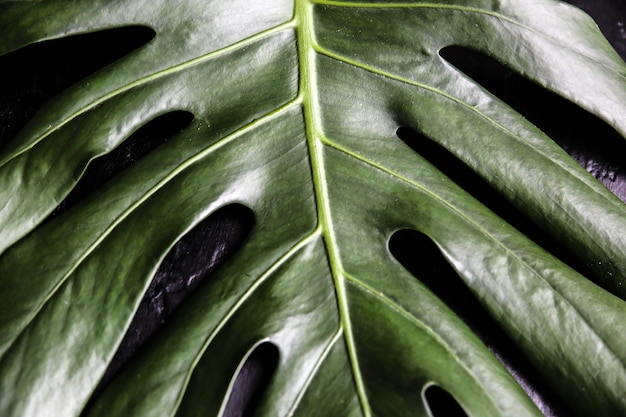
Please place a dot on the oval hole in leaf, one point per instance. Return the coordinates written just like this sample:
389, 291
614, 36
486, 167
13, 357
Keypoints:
421, 256
32, 75
471, 182
441, 403
139, 144
252, 380
590, 141
190, 261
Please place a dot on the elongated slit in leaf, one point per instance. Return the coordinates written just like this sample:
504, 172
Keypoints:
421, 256
471, 182
252, 380
590, 141
441, 403
139, 144
189, 263
32, 75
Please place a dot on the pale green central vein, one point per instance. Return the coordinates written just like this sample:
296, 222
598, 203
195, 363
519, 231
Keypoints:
308, 84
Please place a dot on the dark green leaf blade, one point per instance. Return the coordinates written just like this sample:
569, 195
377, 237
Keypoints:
296, 110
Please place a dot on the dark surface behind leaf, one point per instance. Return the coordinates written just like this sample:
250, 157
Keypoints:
208, 238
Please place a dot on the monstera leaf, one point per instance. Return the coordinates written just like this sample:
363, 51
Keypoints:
296, 108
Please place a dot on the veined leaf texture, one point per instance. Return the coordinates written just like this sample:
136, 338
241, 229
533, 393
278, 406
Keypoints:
316, 122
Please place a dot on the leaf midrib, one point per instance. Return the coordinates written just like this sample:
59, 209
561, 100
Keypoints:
314, 140
291, 24
307, 48
319, 173
308, 84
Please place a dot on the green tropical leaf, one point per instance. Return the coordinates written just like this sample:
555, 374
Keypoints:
296, 109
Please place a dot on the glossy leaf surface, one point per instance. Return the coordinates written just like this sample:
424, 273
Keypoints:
296, 106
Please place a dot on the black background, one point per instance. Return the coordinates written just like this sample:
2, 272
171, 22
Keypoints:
32, 76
